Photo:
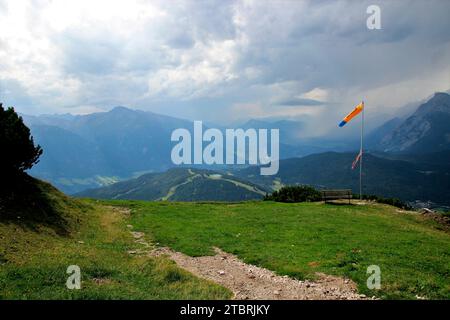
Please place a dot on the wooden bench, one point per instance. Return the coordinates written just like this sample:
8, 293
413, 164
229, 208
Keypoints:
336, 194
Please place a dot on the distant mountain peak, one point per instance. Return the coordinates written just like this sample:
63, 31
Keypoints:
439, 102
440, 97
120, 109
441, 94
426, 130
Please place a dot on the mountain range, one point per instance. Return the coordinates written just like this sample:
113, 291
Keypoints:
409, 157
426, 130
408, 179
97, 149
91, 150
411, 180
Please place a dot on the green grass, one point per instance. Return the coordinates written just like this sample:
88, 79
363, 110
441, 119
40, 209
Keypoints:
46, 232
35, 254
302, 239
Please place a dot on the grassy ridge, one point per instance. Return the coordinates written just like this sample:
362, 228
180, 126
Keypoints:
34, 257
180, 184
301, 239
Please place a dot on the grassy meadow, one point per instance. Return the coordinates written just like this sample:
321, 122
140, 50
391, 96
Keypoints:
38, 244
34, 256
301, 239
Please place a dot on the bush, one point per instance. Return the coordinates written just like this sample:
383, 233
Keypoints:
309, 194
295, 194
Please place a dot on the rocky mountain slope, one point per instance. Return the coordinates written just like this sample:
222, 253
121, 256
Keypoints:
426, 130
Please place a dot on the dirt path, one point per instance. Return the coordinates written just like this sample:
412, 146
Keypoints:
251, 282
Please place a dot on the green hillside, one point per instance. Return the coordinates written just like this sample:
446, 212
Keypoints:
407, 177
406, 180
180, 184
47, 231
301, 239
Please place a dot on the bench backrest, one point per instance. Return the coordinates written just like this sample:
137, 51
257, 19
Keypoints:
336, 194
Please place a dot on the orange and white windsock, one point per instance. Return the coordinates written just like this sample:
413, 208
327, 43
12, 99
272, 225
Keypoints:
352, 114
355, 162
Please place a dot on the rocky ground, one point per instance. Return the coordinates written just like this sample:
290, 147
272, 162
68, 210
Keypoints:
251, 282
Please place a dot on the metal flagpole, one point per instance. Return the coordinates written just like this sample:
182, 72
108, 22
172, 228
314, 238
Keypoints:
361, 152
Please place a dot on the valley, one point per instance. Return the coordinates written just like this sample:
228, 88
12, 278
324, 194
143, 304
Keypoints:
410, 179
85, 156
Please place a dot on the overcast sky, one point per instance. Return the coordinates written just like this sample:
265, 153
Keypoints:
222, 61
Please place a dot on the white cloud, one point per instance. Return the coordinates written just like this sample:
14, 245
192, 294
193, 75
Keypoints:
202, 69
316, 94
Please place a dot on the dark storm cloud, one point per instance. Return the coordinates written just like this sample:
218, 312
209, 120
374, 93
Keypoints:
210, 58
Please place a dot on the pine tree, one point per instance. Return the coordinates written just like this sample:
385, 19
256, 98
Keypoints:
18, 152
